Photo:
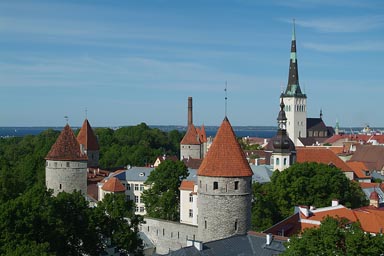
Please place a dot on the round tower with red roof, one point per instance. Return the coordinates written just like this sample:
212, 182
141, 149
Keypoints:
66, 165
89, 144
224, 188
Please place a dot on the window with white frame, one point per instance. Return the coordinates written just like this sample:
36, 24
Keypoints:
136, 187
191, 198
190, 213
141, 187
137, 199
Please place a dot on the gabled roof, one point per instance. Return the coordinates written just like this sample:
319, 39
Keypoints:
359, 168
225, 157
320, 155
191, 137
113, 185
370, 218
372, 156
66, 147
316, 124
87, 137
187, 185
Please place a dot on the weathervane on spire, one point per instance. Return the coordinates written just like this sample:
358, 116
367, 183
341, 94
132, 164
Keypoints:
86, 113
66, 119
226, 98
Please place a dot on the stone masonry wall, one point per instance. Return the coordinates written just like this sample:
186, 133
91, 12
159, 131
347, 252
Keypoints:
168, 235
66, 176
223, 211
193, 151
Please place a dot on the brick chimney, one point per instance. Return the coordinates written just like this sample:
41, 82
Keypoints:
190, 118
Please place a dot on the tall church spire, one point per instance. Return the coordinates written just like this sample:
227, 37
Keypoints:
293, 87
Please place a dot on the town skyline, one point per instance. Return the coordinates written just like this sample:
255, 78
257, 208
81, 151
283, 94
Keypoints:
123, 63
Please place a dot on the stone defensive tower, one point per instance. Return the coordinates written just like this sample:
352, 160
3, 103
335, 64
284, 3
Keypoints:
192, 144
66, 165
89, 144
294, 99
224, 188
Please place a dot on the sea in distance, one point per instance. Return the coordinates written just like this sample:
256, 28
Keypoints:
240, 131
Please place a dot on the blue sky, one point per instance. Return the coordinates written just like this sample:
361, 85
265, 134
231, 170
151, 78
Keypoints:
128, 62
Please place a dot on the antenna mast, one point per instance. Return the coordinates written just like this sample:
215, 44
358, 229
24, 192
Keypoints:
226, 98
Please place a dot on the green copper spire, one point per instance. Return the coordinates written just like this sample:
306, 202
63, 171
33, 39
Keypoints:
293, 87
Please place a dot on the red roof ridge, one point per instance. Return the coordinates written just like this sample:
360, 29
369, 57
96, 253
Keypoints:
66, 147
87, 137
225, 157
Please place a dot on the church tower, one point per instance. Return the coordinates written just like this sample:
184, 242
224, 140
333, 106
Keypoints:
224, 188
284, 151
294, 99
66, 165
89, 144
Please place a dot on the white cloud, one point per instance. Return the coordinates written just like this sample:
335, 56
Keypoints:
365, 46
344, 24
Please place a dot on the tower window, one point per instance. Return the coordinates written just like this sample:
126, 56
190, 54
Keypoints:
67, 164
60, 186
277, 161
190, 198
190, 213
205, 224
215, 185
236, 225
236, 185
285, 161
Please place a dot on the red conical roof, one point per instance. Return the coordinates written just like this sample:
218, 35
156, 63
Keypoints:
113, 185
87, 137
66, 147
203, 134
191, 137
225, 157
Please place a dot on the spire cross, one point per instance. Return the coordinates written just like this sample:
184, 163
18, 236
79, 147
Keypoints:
226, 98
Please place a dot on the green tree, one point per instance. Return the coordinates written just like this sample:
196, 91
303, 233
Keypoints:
162, 200
335, 237
115, 219
309, 184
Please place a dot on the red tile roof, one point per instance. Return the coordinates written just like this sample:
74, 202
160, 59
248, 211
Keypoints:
359, 169
203, 134
113, 185
320, 155
191, 137
66, 147
193, 163
187, 185
87, 137
372, 156
225, 157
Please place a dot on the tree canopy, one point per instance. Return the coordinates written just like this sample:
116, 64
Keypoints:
310, 184
135, 145
335, 237
162, 200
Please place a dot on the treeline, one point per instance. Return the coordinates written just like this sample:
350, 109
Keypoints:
135, 145
33, 222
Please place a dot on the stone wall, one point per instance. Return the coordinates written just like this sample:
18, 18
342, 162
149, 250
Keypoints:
193, 151
168, 235
66, 176
224, 208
